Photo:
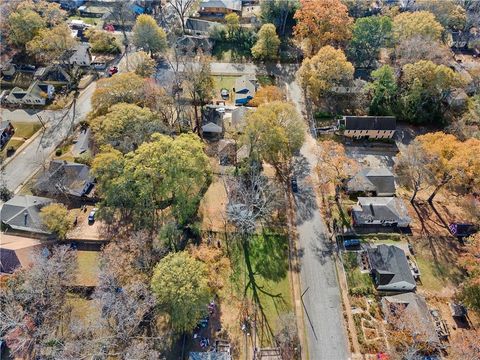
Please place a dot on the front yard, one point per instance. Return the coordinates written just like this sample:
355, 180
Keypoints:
23, 131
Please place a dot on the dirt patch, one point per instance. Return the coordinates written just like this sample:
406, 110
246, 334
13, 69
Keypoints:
213, 205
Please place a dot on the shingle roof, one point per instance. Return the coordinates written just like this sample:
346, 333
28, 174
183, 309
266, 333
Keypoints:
235, 5
212, 128
380, 210
392, 265
370, 123
378, 180
22, 212
65, 177
15, 254
414, 313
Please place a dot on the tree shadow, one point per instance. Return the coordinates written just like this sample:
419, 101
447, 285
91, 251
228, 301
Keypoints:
268, 254
323, 248
306, 203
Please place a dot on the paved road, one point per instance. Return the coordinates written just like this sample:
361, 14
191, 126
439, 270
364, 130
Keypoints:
59, 126
326, 334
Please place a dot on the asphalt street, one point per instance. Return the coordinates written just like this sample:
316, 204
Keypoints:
322, 304
59, 125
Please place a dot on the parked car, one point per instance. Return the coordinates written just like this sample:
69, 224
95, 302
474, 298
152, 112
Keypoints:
351, 244
91, 216
112, 71
221, 110
224, 94
294, 185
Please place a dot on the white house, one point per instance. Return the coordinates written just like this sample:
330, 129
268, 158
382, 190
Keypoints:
37, 94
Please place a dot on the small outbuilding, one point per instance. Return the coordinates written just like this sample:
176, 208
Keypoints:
368, 181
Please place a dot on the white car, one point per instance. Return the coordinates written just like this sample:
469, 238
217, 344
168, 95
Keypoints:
220, 110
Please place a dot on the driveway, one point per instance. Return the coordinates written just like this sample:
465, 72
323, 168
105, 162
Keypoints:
59, 125
326, 334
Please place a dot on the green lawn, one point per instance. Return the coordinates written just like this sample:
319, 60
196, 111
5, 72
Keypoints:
26, 129
437, 260
269, 285
358, 282
224, 82
87, 272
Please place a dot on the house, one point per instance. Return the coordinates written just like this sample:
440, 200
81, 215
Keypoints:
22, 212
201, 27
372, 212
390, 269
238, 118
37, 94
6, 132
245, 88
65, 178
79, 55
190, 44
368, 127
376, 182
220, 7
54, 75
410, 312
71, 4
17, 252
212, 122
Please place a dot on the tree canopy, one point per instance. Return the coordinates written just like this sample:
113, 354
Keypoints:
383, 90
148, 35
180, 284
50, 44
368, 36
329, 68
420, 23
266, 47
124, 87
102, 42
275, 132
425, 85
126, 126
23, 26
279, 13
164, 172
267, 94
322, 22
449, 13
56, 219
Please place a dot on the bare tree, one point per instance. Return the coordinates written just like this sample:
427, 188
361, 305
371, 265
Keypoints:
33, 302
251, 199
182, 8
412, 167
287, 337
122, 13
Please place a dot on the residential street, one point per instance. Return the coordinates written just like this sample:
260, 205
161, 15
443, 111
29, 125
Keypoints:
326, 334
33, 156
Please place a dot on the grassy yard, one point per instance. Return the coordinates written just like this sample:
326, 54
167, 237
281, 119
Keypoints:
358, 282
88, 20
26, 129
437, 261
87, 273
224, 82
269, 284
83, 310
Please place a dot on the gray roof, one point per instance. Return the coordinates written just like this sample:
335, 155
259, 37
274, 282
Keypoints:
201, 25
65, 177
379, 181
414, 314
212, 128
22, 212
370, 123
238, 117
380, 211
235, 5
209, 356
391, 266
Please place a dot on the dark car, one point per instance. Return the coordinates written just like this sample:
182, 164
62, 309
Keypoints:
351, 244
112, 71
294, 185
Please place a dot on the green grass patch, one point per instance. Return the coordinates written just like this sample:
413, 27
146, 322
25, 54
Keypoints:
269, 284
88, 268
224, 82
26, 129
358, 283
88, 20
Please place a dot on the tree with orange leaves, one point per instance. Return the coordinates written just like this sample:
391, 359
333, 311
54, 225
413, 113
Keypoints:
320, 23
267, 94
470, 261
452, 162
